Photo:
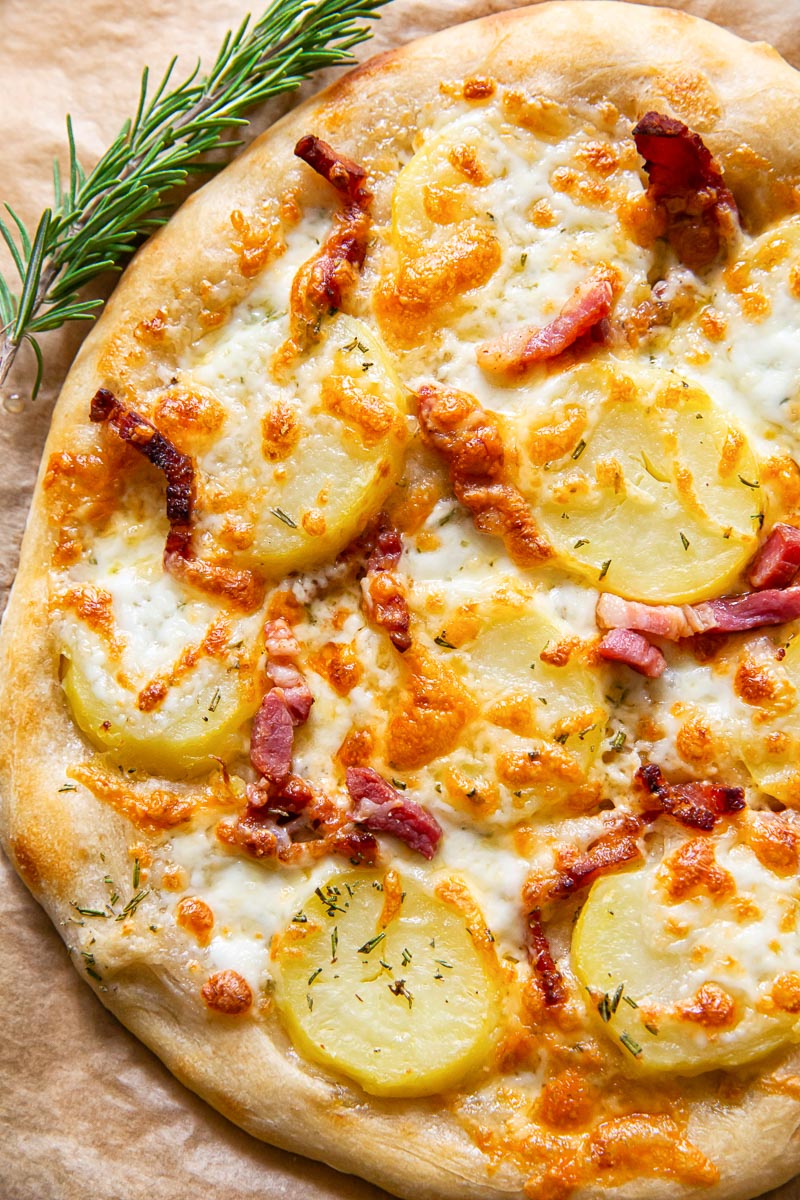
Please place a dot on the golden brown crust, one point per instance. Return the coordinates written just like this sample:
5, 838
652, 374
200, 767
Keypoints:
636, 59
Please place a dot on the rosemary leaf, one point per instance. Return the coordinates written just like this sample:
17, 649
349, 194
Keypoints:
99, 218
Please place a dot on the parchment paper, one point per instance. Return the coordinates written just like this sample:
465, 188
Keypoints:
86, 1112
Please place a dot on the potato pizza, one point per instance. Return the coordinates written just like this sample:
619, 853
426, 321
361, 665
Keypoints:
403, 654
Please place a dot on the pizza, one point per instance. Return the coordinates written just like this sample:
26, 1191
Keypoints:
404, 657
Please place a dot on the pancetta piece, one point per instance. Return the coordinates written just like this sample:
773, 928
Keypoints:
729, 614
550, 979
296, 824
282, 671
381, 808
633, 649
384, 594
778, 560
272, 738
687, 186
470, 440
698, 804
244, 589
618, 845
322, 282
514, 351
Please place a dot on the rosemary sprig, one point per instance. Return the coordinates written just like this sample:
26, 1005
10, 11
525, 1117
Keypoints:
98, 220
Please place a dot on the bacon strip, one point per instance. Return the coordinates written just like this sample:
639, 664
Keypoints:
470, 440
687, 186
242, 588
730, 614
778, 560
342, 173
322, 282
515, 350
178, 468
551, 981
286, 705
625, 646
698, 804
611, 850
380, 808
384, 597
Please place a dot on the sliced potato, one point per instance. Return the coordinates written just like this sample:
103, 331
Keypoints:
292, 493
441, 185
565, 703
683, 966
654, 494
770, 743
197, 720
393, 992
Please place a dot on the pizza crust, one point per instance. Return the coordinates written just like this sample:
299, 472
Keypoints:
635, 58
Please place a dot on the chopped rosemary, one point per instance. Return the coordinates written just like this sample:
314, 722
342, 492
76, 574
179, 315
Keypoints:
651, 1029
334, 942
68, 787
615, 999
215, 701
300, 918
441, 640
136, 873
747, 482
579, 449
630, 1044
604, 569
406, 956
619, 740
580, 542
369, 946
314, 975
398, 783
133, 904
310, 1001
88, 912
631, 1001
282, 516
685, 541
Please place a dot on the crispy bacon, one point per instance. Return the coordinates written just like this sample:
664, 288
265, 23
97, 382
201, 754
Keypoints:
687, 186
778, 560
615, 847
698, 804
384, 596
380, 808
178, 468
551, 981
729, 614
242, 588
342, 173
470, 440
514, 351
626, 646
323, 281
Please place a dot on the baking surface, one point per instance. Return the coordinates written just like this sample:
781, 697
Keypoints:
85, 1110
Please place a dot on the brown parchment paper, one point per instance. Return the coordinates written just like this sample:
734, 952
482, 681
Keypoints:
86, 1112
